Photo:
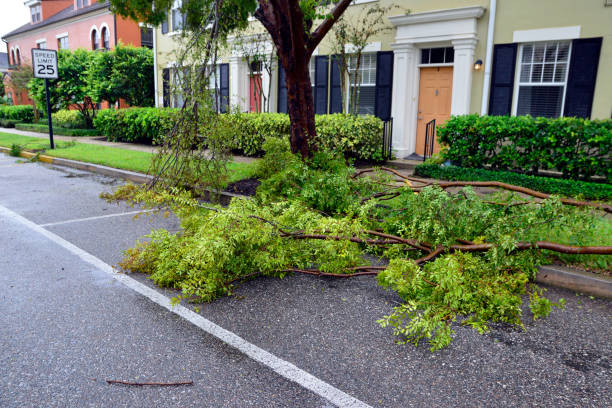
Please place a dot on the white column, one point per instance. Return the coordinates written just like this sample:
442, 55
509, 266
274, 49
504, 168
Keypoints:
404, 99
238, 83
462, 75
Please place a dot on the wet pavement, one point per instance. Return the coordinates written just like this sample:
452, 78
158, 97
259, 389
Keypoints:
66, 327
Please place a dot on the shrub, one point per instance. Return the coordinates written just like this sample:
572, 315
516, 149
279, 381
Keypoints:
68, 119
578, 148
572, 188
354, 136
21, 113
135, 125
8, 123
35, 127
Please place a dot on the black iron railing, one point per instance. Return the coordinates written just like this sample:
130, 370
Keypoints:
387, 138
430, 136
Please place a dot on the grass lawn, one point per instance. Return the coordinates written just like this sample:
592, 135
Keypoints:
104, 155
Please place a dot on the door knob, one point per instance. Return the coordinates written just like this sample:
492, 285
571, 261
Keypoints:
419, 117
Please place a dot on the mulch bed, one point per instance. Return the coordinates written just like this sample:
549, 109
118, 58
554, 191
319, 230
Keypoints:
246, 187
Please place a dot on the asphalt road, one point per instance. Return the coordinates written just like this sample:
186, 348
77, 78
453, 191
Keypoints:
66, 327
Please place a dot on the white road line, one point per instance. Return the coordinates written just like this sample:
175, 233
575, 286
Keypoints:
94, 218
278, 365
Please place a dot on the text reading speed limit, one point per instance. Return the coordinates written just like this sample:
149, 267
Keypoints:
44, 63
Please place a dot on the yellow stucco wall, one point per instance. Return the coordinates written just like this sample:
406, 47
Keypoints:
594, 18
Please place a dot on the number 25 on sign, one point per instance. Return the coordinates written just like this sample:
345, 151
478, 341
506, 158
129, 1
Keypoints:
44, 64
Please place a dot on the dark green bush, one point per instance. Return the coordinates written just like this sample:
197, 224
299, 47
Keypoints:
35, 127
8, 123
570, 188
135, 125
21, 113
354, 136
578, 148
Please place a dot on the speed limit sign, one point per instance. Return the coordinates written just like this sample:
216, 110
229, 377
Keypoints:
44, 63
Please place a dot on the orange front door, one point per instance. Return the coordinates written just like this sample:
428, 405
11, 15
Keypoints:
256, 92
435, 90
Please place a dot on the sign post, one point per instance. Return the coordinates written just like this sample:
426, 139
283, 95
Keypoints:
44, 63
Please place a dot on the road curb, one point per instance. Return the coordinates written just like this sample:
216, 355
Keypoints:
134, 177
572, 279
575, 280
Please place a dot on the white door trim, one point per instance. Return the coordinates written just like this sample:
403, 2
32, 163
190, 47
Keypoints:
439, 28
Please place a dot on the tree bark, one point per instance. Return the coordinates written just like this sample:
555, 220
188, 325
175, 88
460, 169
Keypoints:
294, 42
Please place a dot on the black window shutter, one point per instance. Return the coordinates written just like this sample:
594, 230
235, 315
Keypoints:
320, 88
166, 86
335, 98
502, 79
582, 76
384, 84
223, 87
282, 91
164, 26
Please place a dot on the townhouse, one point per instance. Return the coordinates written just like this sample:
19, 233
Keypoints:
444, 57
70, 24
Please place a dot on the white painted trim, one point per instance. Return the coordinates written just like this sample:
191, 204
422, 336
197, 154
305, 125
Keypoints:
446, 64
62, 35
546, 34
370, 47
41, 40
438, 16
94, 27
486, 85
281, 367
64, 23
439, 28
31, 3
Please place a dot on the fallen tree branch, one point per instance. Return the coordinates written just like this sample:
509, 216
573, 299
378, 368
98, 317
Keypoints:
158, 384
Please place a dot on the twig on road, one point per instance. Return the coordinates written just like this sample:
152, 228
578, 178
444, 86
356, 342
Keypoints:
159, 384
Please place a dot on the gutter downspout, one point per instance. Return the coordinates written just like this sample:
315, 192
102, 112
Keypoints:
155, 70
488, 59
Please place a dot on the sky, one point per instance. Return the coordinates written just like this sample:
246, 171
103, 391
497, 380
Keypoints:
13, 14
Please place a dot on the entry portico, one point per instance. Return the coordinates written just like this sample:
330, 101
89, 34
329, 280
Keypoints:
441, 28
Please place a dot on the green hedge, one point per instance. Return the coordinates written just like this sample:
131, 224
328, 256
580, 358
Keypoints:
21, 113
135, 125
570, 188
35, 127
356, 136
8, 123
578, 148
68, 119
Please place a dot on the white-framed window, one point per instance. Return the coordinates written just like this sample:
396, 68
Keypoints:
366, 79
177, 16
105, 38
180, 86
81, 3
95, 40
42, 45
542, 70
35, 13
62, 43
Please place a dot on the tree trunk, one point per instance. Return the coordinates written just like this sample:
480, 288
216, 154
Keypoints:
301, 110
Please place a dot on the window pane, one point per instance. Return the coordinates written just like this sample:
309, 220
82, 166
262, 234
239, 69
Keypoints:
560, 73
425, 55
538, 53
551, 52
540, 101
525, 72
536, 73
449, 56
563, 52
549, 70
527, 53
437, 55
367, 97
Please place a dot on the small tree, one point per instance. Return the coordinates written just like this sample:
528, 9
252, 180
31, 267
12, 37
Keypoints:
123, 73
18, 80
2, 92
355, 33
71, 89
